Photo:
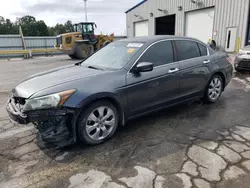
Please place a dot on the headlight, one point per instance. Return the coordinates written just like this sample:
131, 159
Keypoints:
48, 101
241, 52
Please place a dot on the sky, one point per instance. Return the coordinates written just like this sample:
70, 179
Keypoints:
109, 15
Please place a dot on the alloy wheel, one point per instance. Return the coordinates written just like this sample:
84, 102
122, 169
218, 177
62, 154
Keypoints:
214, 89
100, 123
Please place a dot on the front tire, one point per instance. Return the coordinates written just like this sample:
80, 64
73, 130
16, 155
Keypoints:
97, 123
214, 89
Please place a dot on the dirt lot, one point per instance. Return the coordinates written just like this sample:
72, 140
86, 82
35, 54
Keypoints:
192, 145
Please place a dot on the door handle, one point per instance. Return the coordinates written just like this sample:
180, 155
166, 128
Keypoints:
173, 70
206, 61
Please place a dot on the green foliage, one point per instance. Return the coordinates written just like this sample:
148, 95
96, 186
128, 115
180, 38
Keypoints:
31, 27
7, 27
60, 28
68, 26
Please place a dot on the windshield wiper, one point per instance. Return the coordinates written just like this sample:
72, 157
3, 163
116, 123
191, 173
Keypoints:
97, 68
79, 63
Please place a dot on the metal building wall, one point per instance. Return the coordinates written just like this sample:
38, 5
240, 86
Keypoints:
228, 13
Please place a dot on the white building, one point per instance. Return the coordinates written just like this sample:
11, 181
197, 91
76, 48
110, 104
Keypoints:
225, 21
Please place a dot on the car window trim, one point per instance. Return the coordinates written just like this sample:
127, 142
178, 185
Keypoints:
174, 58
174, 51
188, 58
200, 49
163, 40
208, 53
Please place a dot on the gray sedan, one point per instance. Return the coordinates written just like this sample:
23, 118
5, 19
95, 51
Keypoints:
87, 101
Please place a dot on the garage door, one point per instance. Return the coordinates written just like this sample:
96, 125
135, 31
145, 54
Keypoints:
199, 24
141, 28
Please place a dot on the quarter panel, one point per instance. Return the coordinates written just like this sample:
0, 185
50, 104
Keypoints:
222, 65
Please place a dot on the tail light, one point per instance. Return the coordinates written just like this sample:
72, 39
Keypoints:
230, 61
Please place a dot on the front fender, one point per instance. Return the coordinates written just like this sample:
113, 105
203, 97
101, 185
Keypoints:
86, 101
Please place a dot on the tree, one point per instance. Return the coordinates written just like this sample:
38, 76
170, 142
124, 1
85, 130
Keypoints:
2, 20
59, 29
28, 24
27, 20
52, 31
32, 27
68, 26
42, 28
7, 27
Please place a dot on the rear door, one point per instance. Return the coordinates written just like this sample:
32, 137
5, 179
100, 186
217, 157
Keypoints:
194, 67
151, 90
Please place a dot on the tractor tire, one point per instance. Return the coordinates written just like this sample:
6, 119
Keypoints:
83, 51
105, 43
73, 56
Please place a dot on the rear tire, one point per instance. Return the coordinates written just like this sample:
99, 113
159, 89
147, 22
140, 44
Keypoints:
97, 123
214, 89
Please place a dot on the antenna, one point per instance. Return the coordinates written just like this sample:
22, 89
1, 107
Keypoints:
86, 16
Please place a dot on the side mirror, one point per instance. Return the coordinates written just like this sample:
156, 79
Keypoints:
95, 26
143, 67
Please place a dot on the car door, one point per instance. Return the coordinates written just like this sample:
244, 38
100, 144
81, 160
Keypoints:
194, 60
150, 90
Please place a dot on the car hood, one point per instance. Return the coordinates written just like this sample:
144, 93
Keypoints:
44, 80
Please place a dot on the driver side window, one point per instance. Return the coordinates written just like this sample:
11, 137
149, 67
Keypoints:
159, 54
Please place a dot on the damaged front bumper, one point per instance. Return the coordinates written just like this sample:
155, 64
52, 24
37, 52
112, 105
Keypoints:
55, 126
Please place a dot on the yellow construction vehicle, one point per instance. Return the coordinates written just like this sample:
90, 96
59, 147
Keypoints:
82, 41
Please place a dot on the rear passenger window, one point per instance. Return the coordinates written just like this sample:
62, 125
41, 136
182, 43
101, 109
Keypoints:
160, 53
187, 49
203, 49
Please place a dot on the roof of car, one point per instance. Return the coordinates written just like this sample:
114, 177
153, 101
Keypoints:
155, 38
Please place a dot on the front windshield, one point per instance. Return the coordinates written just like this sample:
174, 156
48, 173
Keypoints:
88, 28
113, 56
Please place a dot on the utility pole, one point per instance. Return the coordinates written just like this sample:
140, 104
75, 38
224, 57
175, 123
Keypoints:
22, 38
86, 16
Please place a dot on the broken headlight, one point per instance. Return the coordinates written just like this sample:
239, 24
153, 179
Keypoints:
48, 101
